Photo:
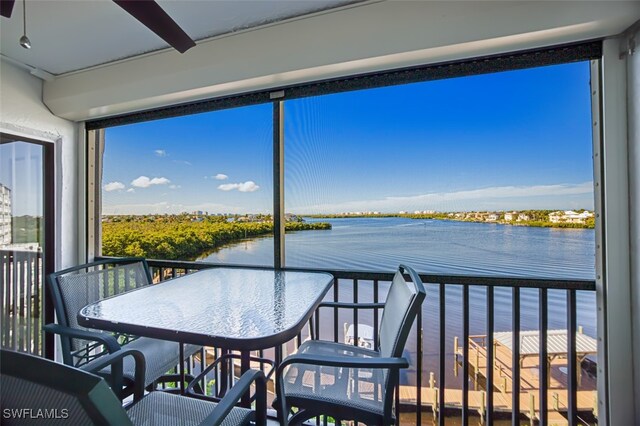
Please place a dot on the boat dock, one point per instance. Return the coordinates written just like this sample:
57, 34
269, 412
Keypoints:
502, 374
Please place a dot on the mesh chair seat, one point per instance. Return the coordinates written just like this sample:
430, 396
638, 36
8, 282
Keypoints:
160, 355
354, 388
164, 409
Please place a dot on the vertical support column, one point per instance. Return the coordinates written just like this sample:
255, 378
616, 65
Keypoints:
441, 372
632, 42
95, 148
465, 355
49, 261
543, 360
572, 361
278, 185
613, 260
515, 360
490, 353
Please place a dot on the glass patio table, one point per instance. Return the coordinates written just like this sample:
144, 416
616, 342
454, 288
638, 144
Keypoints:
237, 309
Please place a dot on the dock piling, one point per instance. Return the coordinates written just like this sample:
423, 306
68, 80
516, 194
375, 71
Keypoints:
532, 408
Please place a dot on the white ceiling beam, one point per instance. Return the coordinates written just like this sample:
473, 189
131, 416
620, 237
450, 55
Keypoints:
372, 37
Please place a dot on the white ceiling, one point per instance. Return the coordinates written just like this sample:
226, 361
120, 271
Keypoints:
70, 35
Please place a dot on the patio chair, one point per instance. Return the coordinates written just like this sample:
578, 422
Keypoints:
349, 382
39, 391
76, 287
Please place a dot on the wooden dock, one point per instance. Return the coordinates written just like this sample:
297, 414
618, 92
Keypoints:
502, 378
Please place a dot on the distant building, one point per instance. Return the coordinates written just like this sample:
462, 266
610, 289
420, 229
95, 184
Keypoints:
523, 217
509, 216
5, 216
492, 217
569, 216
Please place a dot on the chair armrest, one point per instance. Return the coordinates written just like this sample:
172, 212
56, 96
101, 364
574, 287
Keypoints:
329, 361
351, 305
232, 397
115, 361
343, 361
107, 340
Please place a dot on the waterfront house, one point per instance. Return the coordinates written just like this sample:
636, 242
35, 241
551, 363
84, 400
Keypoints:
522, 217
556, 217
509, 216
569, 216
92, 66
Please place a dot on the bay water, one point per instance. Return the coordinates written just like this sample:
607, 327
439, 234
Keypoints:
446, 248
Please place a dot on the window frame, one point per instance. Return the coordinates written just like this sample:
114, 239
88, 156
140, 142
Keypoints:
593, 51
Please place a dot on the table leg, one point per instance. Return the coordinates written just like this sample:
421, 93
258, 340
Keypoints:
245, 364
181, 352
224, 374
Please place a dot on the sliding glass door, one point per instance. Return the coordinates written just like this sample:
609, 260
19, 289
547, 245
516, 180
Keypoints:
26, 238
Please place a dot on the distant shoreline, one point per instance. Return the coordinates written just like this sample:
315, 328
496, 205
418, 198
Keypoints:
534, 218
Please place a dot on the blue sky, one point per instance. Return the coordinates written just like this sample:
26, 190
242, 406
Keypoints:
511, 140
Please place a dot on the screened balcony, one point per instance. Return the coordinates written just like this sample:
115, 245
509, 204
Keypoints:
65, 113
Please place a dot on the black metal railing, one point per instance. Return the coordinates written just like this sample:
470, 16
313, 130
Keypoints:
21, 307
454, 304
417, 403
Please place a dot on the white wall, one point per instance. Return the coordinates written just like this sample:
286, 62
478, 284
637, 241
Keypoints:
23, 113
633, 122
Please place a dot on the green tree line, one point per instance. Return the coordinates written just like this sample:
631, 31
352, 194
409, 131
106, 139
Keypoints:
172, 238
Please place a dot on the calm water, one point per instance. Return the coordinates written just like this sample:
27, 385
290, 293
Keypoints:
442, 247
429, 246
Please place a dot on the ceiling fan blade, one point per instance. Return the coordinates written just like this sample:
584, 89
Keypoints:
151, 15
6, 7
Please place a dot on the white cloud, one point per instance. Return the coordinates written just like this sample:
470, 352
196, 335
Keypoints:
248, 186
505, 192
228, 187
160, 152
145, 182
174, 186
174, 208
491, 198
131, 190
221, 176
186, 163
113, 186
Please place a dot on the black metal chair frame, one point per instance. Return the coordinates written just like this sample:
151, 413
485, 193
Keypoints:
393, 364
99, 401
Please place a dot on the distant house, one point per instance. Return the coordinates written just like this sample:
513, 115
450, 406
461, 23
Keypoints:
492, 217
569, 216
556, 217
509, 216
523, 217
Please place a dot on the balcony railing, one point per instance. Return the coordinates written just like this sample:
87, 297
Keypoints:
519, 387
21, 306
446, 353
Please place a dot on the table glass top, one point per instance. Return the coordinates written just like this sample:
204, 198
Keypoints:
223, 303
